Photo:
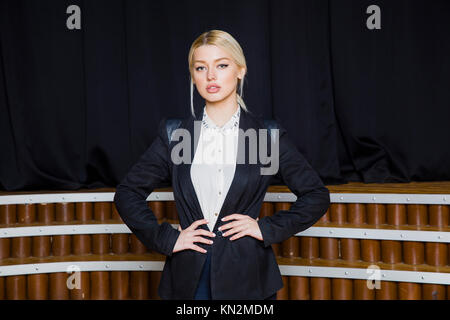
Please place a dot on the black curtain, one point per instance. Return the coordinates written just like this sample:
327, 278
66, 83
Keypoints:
78, 107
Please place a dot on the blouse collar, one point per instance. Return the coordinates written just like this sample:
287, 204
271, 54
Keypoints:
232, 123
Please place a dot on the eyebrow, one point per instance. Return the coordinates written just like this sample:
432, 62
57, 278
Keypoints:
214, 60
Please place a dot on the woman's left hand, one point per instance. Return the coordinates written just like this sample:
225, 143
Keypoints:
242, 225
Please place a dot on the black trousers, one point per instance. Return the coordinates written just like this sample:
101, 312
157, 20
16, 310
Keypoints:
203, 291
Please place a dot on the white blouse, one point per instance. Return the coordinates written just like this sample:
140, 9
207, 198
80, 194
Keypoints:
214, 164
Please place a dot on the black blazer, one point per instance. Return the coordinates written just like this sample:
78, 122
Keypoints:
245, 268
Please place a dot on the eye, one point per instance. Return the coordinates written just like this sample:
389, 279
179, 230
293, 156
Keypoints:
223, 65
198, 68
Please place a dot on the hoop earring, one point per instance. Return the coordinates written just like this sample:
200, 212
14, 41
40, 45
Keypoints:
192, 99
241, 85
240, 90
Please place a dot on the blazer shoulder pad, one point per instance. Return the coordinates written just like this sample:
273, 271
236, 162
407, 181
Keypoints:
171, 125
270, 124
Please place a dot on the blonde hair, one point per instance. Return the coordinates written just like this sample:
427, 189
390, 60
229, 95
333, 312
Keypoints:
225, 41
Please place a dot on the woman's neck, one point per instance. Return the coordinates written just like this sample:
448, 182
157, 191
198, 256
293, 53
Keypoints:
221, 112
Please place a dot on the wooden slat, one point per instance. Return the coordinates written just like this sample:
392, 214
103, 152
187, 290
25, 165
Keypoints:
360, 264
88, 257
318, 224
295, 261
438, 187
433, 187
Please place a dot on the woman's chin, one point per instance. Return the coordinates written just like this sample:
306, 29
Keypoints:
214, 98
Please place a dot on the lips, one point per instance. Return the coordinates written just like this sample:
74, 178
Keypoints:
212, 88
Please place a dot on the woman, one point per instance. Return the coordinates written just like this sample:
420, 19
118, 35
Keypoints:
221, 249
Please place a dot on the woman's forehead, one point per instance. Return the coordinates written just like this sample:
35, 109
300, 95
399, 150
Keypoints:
207, 53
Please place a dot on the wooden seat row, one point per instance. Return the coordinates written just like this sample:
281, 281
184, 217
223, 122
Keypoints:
300, 251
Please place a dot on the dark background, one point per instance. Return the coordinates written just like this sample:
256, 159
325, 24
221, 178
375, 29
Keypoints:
78, 107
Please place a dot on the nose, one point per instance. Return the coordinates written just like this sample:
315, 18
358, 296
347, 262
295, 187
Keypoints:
211, 74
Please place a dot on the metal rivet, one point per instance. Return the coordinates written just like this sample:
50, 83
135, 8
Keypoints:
157, 196
346, 272
384, 275
107, 266
374, 198
37, 268
342, 198
365, 233
422, 277
141, 266
63, 198
331, 231
279, 197
310, 271
408, 199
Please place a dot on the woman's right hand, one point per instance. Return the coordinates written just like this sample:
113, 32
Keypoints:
190, 235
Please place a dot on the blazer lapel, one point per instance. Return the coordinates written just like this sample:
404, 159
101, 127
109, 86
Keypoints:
183, 171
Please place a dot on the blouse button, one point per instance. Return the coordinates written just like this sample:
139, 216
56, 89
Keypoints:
216, 214
220, 192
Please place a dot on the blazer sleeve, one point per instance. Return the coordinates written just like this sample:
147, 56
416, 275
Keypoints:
151, 171
313, 198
